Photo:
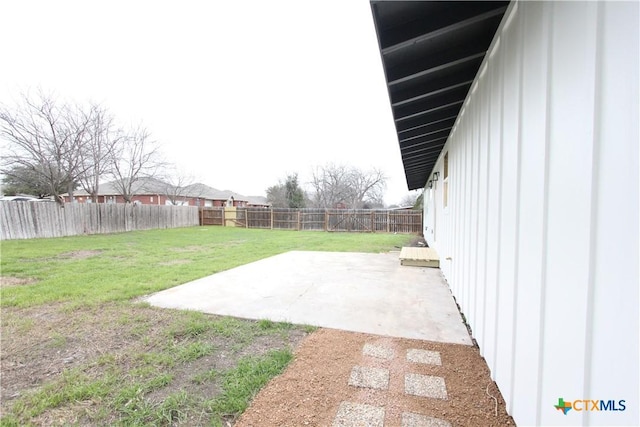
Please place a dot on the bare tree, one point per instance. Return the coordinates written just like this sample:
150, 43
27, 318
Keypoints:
178, 186
412, 199
135, 158
45, 138
329, 184
366, 188
340, 184
104, 140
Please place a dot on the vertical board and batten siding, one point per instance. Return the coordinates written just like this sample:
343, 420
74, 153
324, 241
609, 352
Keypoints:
28, 220
539, 241
612, 331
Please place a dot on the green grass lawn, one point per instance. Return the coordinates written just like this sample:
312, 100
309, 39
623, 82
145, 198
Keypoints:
78, 349
100, 268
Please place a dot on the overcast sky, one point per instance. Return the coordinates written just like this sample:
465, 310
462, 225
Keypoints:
239, 93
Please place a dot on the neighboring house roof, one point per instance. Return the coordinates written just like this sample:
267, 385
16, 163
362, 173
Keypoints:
157, 186
206, 192
141, 186
258, 200
402, 208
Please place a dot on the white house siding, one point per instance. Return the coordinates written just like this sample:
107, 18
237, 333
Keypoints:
539, 241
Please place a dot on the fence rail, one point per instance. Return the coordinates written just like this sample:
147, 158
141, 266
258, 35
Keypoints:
358, 220
27, 220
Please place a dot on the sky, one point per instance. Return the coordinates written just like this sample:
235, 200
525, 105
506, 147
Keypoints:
238, 93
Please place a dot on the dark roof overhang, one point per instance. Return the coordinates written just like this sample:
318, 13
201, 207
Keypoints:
431, 52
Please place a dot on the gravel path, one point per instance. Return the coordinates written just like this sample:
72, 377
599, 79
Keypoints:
346, 379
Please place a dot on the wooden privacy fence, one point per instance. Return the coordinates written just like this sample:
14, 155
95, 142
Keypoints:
358, 220
26, 220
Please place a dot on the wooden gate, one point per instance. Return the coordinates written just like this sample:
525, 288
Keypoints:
351, 220
211, 216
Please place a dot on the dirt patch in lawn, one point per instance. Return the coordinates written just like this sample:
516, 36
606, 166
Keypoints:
39, 343
312, 388
8, 281
175, 262
120, 347
79, 254
189, 249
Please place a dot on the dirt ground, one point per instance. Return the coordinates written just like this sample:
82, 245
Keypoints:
311, 389
39, 344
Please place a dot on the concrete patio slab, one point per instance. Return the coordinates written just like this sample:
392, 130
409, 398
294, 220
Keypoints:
357, 292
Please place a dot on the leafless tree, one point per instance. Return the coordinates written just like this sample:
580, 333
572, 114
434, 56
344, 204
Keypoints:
411, 199
367, 188
46, 138
178, 186
136, 157
340, 184
104, 140
329, 185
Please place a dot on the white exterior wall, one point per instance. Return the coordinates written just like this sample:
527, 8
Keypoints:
539, 241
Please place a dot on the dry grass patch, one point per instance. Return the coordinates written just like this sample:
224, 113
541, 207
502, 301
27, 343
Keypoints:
79, 254
8, 281
189, 249
123, 363
175, 262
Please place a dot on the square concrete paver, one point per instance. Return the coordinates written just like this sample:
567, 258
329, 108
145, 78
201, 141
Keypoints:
425, 386
362, 376
409, 419
426, 357
359, 292
358, 415
378, 351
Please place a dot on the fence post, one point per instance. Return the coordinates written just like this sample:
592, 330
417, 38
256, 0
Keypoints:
271, 211
298, 226
388, 220
373, 222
